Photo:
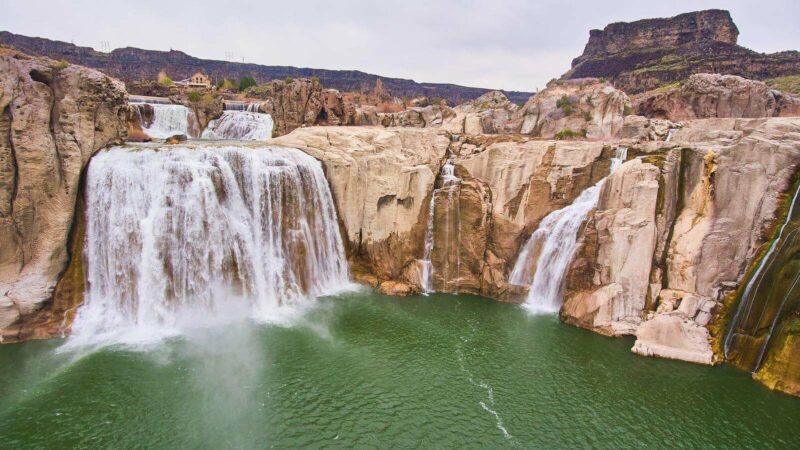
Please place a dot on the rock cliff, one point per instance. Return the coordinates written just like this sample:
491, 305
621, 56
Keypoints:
53, 117
646, 54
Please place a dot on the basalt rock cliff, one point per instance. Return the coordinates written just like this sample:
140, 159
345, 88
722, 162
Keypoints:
646, 54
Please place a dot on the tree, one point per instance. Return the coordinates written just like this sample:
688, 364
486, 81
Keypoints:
226, 84
164, 79
246, 82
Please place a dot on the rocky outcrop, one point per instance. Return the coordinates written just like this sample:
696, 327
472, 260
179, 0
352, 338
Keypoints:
646, 54
641, 129
574, 108
53, 117
488, 114
711, 95
427, 116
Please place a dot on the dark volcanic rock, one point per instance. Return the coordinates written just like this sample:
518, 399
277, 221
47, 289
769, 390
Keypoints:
646, 54
133, 64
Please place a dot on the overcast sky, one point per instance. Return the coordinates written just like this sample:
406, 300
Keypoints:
507, 44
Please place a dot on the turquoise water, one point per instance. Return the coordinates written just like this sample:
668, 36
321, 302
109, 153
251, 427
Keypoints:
365, 370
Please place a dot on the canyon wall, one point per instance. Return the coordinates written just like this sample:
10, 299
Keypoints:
53, 117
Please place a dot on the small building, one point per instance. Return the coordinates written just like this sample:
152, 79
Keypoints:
198, 80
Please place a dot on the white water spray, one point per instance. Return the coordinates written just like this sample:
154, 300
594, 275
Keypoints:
556, 241
240, 125
186, 235
450, 185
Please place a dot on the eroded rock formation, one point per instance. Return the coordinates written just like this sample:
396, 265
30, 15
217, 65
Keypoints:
574, 108
53, 117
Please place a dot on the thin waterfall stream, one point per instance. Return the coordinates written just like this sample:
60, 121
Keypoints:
450, 185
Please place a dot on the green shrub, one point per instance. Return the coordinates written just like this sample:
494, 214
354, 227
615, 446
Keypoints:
59, 65
565, 104
570, 134
164, 79
627, 111
247, 82
195, 96
289, 80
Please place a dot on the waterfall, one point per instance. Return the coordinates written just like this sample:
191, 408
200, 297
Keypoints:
670, 133
168, 120
241, 106
450, 184
138, 99
556, 241
240, 125
185, 233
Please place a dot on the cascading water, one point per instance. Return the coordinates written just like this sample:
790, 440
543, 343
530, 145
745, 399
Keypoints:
556, 241
196, 232
764, 300
669, 134
450, 185
168, 120
240, 125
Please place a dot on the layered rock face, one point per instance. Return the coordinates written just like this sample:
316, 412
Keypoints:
52, 119
574, 108
646, 54
686, 219
710, 95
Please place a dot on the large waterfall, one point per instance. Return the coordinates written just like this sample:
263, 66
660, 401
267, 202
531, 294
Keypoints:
240, 125
546, 256
168, 120
184, 233
450, 184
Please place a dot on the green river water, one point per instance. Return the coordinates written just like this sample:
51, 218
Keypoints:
363, 370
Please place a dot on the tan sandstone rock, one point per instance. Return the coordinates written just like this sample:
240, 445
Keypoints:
626, 238
54, 119
381, 180
584, 106
712, 95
